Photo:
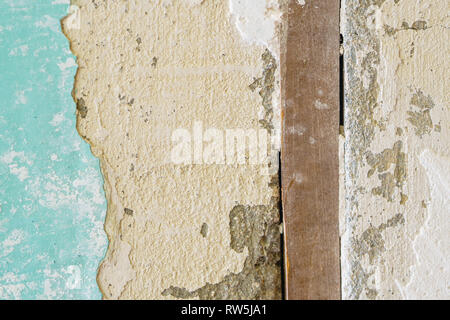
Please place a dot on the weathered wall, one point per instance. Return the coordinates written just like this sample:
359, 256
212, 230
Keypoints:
397, 172
147, 68
198, 229
52, 206
159, 86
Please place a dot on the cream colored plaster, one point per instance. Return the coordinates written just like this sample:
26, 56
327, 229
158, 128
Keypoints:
147, 68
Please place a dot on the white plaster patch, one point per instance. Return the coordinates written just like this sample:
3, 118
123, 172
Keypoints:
256, 19
119, 271
430, 275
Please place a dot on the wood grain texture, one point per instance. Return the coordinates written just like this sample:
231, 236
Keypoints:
310, 164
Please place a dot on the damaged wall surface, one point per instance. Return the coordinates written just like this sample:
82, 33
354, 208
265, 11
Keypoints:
184, 103
397, 169
149, 68
52, 206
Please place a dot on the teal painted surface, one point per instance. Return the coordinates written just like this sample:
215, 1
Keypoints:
51, 196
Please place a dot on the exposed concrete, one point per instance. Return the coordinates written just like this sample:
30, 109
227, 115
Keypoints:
256, 230
395, 238
147, 68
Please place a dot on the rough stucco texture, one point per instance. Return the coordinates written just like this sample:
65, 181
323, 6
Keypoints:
397, 173
147, 68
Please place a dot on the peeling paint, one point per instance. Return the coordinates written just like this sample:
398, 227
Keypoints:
382, 162
372, 244
145, 70
257, 230
394, 93
257, 20
266, 85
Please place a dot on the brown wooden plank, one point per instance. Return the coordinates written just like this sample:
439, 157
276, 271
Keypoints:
310, 164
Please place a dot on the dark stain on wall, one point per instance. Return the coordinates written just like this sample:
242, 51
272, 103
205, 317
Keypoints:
257, 229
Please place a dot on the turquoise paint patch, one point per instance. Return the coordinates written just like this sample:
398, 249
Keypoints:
51, 196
